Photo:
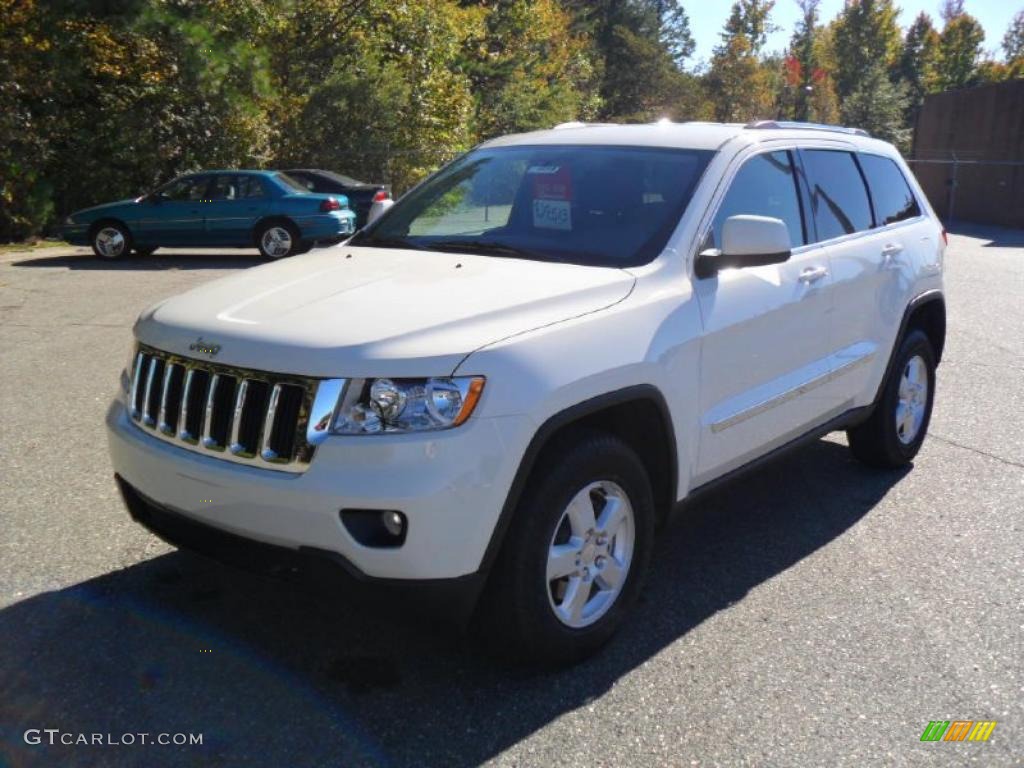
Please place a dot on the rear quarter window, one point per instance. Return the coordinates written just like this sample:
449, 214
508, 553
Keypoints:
890, 193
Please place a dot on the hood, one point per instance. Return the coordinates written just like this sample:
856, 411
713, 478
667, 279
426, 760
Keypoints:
364, 312
105, 208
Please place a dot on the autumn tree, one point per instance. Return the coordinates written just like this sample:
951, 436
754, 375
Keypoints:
737, 84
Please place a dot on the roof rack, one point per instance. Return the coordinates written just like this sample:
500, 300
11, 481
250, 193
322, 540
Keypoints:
578, 124
806, 126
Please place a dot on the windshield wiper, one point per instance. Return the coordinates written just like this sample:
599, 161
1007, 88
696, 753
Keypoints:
488, 248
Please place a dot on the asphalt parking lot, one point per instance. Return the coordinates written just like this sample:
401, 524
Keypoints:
817, 613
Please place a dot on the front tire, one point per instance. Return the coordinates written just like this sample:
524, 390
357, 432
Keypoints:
111, 241
893, 434
576, 553
277, 240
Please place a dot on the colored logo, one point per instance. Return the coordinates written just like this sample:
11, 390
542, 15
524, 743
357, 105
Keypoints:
958, 730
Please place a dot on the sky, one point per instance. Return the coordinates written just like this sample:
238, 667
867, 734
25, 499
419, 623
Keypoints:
708, 16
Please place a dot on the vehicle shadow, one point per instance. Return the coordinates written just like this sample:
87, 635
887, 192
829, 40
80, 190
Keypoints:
159, 261
274, 677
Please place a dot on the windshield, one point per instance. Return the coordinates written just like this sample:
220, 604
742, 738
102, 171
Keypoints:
590, 205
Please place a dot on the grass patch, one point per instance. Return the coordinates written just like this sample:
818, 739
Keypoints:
31, 245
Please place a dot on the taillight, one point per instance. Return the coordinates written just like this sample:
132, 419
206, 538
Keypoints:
330, 204
945, 237
381, 196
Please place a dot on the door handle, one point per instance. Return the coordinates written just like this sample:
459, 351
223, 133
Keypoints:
812, 274
891, 250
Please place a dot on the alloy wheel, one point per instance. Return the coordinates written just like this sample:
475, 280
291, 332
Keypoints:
912, 400
590, 554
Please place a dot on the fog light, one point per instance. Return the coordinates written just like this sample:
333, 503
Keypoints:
394, 522
376, 528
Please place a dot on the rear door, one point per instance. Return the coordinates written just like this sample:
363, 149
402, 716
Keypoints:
237, 201
764, 354
865, 254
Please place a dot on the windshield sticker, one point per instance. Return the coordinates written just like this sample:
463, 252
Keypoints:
552, 197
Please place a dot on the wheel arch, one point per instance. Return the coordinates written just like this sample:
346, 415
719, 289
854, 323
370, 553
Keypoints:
639, 415
273, 218
926, 312
95, 226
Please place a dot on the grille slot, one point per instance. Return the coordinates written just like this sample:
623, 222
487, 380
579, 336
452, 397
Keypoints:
247, 416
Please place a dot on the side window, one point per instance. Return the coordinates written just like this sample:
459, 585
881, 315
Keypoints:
225, 188
893, 199
838, 196
764, 186
250, 187
190, 189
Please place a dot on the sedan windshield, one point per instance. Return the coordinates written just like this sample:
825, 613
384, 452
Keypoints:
589, 205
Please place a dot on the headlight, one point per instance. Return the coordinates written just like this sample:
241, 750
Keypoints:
375, 406
69, 221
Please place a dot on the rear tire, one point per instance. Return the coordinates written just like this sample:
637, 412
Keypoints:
111, 240
277, 240
574, 558
894, 432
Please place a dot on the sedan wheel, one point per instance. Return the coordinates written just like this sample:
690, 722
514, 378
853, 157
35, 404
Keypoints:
277, 242
110, 242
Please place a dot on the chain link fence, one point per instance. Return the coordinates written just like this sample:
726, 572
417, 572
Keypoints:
966, 186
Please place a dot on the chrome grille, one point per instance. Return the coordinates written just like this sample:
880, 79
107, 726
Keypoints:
242, 415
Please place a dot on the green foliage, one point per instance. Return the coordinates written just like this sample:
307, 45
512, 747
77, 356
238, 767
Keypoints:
102, 99
878, 105
1013, 40
865, 34
738, 84
959, 51
919, 61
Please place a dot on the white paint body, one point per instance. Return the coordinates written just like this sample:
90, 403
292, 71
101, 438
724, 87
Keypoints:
726, 352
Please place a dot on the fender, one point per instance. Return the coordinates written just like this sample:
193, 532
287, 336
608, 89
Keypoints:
916, 303
540, 439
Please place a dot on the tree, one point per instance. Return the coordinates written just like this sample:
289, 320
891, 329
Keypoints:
808, 91
1013, 40
865, 34
878, 106
675, 33
737, 85
959, 51
918, 64
527, 69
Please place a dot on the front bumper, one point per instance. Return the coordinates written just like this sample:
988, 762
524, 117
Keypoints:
322, 570
75, 234
451, 485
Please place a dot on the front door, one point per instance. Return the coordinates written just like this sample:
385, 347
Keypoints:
175, 214
765, 349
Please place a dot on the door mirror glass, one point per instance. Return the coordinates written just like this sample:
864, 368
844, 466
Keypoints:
747, 241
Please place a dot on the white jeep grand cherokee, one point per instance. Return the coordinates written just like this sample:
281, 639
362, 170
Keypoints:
503, 384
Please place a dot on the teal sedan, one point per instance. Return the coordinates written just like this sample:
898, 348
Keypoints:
215, 209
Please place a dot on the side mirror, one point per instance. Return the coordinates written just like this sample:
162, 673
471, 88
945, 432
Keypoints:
747, 241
